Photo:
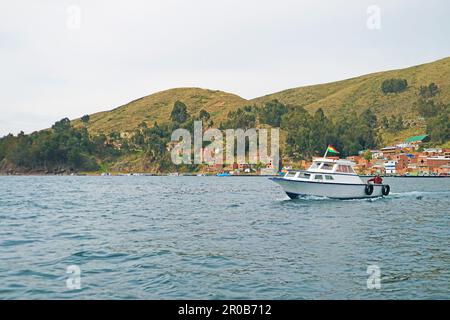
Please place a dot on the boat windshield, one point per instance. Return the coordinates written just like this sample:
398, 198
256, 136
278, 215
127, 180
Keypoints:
345, 169
315, 165
327, 166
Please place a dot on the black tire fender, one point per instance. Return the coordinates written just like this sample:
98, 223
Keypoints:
386, 190
368, 189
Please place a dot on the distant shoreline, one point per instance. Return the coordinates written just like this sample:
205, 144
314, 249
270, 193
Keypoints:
365, 176
181, 175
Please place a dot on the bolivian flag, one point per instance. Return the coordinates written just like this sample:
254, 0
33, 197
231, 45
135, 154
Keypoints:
330, 149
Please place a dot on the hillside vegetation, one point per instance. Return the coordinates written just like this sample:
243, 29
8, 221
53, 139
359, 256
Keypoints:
363, 92
353, 115
356, 94
157, 108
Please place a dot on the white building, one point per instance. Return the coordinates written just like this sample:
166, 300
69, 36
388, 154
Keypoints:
433, 150
405, 146
390, 167
376, 154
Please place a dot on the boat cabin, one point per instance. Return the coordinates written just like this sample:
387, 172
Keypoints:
326, 165
326, 170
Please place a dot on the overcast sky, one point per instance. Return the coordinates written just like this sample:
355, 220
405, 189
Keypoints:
69, 58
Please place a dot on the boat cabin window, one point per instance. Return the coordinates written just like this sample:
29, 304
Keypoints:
290, 174
329, 178
304, 175
318, 177
345, 169
315, 165
327, 166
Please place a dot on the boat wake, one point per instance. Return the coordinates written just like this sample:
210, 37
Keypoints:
312, 198
319, 198
302, 199
419, 194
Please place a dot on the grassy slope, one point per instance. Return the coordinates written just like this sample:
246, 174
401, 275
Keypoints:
362, 92
359, 93
354, 94
157, 107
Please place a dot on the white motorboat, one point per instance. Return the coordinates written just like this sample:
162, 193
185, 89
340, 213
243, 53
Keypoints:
332, 178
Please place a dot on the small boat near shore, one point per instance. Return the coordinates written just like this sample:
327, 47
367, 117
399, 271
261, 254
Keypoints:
224, 174
331, 178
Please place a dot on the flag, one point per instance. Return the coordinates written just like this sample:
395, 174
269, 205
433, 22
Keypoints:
332, 150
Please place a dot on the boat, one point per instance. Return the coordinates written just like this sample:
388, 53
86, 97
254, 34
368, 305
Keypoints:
173, 174
224, 174
331, 178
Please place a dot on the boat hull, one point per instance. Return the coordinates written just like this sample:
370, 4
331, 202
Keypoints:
297, 188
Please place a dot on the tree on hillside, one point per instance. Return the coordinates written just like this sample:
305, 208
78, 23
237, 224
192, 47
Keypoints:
179, 112
370, 118
296, 123
368, 155
429, 91
308, 135
204, 115
428, 108
272, 112
85, 119
394, 85
62, 125
142, 125
438, 127
249, 108
62, 148
385, 122
396, 123
239, 119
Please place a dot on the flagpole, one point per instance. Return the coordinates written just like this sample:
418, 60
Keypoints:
326, 152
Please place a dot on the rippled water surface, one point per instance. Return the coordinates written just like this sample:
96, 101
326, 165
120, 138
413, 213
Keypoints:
219, 238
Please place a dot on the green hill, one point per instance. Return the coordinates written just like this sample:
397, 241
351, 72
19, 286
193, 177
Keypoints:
157, 108
355, 114
359, 93
356, 94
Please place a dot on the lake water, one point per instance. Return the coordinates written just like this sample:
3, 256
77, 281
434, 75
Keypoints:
218, 238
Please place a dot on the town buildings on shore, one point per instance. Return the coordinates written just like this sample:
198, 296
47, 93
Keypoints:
409, 158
